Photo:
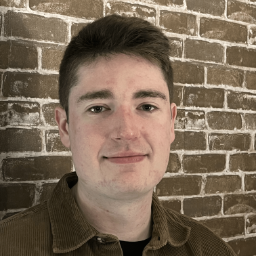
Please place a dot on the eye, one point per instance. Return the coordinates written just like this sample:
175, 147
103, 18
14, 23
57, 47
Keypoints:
148, 107
97, 109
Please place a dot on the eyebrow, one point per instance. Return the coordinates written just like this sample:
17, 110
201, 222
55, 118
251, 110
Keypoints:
107, 94
102, 94
149, 94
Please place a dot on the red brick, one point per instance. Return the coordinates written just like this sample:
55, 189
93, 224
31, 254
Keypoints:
187, 73
177, 186
214, 7
189, 141
250, 121
244, 246
15, 54
14, 139
172, 204
30, 85
234, 204
51, 57
238, 100
131, 10
250, 182
250, 79
190, 120
177, 95
252, 35
224, 120
222, 30
223, 184
46, 191
76, 27
13, 3
89, 9
240, 56
174, 164
176, 45
16, 196
48, 112
204, 163
251, 224
53, 142
219, 141
202, 206
243, 162
36, 27
241, 11
226, 227
201, 50
225, 76
19, 113
202, 97
180, 23
36, 168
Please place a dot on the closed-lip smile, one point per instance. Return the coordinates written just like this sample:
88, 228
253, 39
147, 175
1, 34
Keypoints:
125, 157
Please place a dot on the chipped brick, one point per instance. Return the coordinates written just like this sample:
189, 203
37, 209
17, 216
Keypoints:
180, 23
234, 204
219, 141
53, 142
238, 100
19, 113
190, 120
223, 184
30, 85
225, 227
223, 30
202, 97
48, 112
131, 10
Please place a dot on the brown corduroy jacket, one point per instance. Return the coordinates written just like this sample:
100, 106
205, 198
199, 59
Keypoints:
57, 227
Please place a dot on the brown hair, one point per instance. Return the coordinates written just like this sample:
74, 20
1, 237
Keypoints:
112, 35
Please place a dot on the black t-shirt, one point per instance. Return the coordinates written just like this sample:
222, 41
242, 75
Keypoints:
134, 248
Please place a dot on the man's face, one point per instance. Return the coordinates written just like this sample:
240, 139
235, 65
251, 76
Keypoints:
121, 125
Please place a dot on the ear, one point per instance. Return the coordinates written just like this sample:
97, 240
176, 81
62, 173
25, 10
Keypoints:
61, 119
173, 118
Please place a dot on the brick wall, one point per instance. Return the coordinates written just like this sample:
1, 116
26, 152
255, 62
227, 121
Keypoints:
212, 171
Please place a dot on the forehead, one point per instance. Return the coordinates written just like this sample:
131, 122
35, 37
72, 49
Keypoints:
120, 73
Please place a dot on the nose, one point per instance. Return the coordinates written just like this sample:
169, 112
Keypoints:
125, 125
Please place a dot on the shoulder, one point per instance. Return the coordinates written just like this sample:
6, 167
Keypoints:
201, 238
25, 228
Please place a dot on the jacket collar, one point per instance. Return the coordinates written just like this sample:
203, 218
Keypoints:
70, 229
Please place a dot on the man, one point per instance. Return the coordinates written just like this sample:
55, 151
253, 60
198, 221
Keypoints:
117, 118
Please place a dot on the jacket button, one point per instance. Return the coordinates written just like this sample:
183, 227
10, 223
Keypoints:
100, 240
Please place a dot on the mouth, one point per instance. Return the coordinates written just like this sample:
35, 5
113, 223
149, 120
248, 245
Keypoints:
125, 158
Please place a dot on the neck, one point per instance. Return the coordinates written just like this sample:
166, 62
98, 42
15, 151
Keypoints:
129, 220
